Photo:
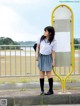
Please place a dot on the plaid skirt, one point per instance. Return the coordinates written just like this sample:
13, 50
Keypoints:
45, 62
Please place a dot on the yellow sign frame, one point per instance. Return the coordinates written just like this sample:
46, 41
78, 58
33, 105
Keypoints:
63, 80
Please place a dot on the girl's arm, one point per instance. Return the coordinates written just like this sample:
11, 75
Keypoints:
53, 58
37, 50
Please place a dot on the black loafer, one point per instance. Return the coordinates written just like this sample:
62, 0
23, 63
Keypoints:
49, 93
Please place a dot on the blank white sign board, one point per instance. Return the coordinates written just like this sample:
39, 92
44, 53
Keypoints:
62, 41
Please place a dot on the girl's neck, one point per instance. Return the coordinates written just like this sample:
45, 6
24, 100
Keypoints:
47, 37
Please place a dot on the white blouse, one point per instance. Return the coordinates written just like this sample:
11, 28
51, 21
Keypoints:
45, 47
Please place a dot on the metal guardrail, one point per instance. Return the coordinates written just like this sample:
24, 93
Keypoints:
19, 61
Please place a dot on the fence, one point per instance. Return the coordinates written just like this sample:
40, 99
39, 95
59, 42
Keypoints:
19, 61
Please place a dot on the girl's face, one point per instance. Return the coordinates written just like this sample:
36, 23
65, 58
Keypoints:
46, 33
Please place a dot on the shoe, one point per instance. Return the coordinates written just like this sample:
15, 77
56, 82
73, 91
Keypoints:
42, 93
49, 93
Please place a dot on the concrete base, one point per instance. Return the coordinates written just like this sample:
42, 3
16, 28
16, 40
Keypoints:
28, 94
43, 100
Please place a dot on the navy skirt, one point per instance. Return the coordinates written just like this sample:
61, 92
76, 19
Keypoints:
45, 62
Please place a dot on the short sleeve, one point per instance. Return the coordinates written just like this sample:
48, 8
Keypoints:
54, 45
38, 41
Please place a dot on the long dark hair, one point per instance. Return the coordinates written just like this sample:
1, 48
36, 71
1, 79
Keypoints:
51, 30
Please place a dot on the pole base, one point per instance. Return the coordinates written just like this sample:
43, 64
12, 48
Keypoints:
64, 93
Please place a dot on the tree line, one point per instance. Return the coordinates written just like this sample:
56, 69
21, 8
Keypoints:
9, 41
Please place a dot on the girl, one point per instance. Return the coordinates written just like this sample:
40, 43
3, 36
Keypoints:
45, 55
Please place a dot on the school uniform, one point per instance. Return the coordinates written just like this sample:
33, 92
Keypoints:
45, 54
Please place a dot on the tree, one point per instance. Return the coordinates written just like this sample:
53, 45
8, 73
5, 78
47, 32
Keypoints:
76, 41
8, 41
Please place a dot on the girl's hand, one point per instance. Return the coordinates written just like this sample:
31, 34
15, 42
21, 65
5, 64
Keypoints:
53, 64
36, 58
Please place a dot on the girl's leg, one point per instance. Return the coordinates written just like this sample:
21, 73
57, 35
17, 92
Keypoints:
50, 80
49, 74
42, 74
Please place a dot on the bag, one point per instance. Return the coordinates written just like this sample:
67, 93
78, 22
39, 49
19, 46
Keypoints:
35, 45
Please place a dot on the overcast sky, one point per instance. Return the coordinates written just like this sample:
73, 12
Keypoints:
26, 19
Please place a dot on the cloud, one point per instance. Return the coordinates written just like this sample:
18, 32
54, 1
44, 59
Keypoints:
7, 19
12, 22
16, 27
20, 1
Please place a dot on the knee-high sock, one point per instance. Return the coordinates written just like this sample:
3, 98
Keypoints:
50, 80
42, 84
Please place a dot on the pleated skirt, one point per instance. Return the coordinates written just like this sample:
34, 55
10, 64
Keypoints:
45, 62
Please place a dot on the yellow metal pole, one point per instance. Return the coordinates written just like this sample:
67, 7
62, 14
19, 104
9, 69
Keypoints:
63, 80
63, 85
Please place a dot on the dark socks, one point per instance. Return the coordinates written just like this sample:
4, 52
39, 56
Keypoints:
42, 84
50, 80
50, 92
